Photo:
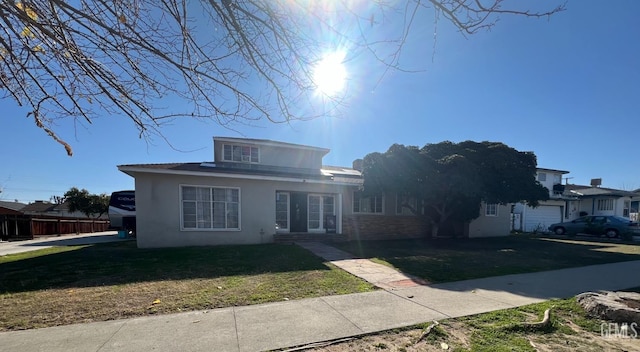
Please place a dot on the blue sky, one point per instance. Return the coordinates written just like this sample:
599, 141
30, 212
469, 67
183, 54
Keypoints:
566, 88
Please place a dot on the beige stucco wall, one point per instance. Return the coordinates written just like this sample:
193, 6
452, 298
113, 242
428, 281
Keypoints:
491, 226
158, 209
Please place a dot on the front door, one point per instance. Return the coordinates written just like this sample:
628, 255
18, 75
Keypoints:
298, 212
320, 206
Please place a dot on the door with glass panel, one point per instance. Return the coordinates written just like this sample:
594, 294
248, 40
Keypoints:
319, 207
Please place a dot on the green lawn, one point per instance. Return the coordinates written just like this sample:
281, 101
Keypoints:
445, 260
64, 285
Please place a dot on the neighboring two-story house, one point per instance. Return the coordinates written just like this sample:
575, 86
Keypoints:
568, 202
260, 191
529, 219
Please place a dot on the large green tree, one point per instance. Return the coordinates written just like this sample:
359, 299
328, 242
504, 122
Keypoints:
230, 61
91, 205
448, 181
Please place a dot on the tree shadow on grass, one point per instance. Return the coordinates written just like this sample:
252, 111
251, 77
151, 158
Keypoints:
122, 262
447, 260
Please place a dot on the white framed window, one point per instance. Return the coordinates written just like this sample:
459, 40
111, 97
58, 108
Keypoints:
282, 211
210, 208
403, 210
491, 209
367, 205
605, 204
542, 177
240, 153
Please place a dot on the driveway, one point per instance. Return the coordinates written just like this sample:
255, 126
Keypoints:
64, 240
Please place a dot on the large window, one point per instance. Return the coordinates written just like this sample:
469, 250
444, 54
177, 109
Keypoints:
241, 153
210, 208
605, 204
369, 205
491, 209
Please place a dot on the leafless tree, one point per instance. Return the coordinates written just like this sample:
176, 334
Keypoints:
233, 61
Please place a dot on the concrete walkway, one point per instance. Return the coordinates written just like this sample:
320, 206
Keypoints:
293, 323
379, 275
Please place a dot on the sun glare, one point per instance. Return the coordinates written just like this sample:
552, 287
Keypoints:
330, 74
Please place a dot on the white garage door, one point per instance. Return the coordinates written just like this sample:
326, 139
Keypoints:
538, 219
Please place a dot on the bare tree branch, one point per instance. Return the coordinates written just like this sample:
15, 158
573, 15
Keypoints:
233, 62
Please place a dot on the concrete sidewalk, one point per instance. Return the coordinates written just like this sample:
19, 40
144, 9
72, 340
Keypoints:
545, 285
292, 323
13, 247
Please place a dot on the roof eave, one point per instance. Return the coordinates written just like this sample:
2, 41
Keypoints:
132, 170
552, 170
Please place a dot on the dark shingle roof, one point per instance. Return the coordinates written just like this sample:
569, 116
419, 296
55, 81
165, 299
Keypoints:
16, 206
38, 207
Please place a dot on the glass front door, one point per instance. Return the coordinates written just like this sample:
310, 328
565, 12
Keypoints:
304, 212
319, 207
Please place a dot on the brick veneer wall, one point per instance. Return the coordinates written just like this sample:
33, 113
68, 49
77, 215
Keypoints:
370, 227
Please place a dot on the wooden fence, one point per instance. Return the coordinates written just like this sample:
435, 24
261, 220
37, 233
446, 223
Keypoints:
25, 226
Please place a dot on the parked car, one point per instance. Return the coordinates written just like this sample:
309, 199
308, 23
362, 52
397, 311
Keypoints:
610, 226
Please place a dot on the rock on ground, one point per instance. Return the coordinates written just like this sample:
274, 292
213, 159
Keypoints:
619, 307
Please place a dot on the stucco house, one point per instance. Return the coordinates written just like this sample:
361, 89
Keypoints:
568, 202
260, 191
529, 219
494, 221
596, 200
251, 191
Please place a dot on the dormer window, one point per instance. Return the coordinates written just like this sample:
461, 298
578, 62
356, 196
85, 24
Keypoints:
241, 153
